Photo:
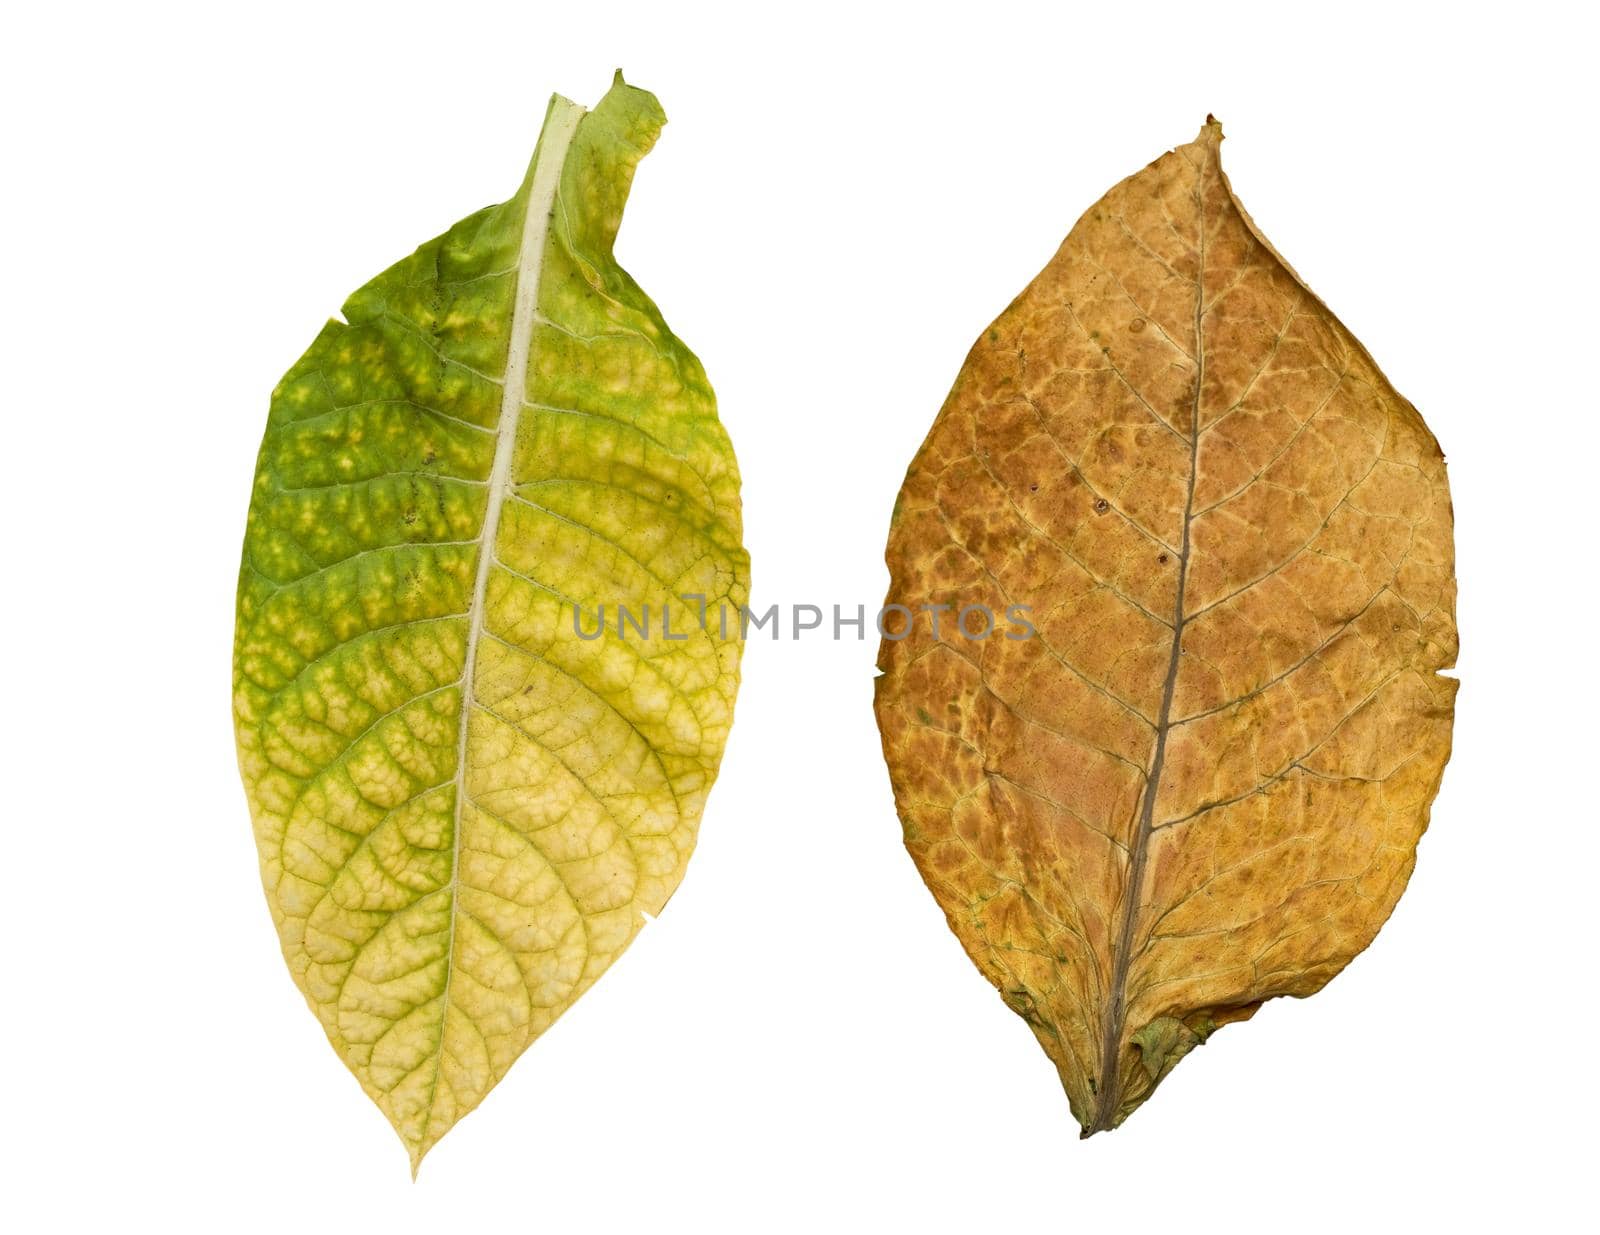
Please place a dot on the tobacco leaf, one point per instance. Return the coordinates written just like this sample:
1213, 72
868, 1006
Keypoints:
463, 809
1201, 783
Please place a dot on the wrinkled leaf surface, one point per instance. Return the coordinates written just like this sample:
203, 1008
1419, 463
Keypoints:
1201, 784
463, 809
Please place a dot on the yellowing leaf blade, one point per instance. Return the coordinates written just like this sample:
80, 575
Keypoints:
1201, 784
463, 808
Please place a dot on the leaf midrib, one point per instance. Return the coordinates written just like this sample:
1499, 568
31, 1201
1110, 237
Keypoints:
1109, 1096
560, 127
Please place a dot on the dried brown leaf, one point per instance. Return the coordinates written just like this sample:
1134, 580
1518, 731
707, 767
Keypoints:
1201, 783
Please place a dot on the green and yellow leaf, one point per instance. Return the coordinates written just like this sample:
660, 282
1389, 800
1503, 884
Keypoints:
464, 810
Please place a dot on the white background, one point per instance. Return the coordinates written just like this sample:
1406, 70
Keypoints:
844, 198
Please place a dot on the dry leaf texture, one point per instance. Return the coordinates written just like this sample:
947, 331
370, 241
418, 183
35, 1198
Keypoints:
1201, 784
